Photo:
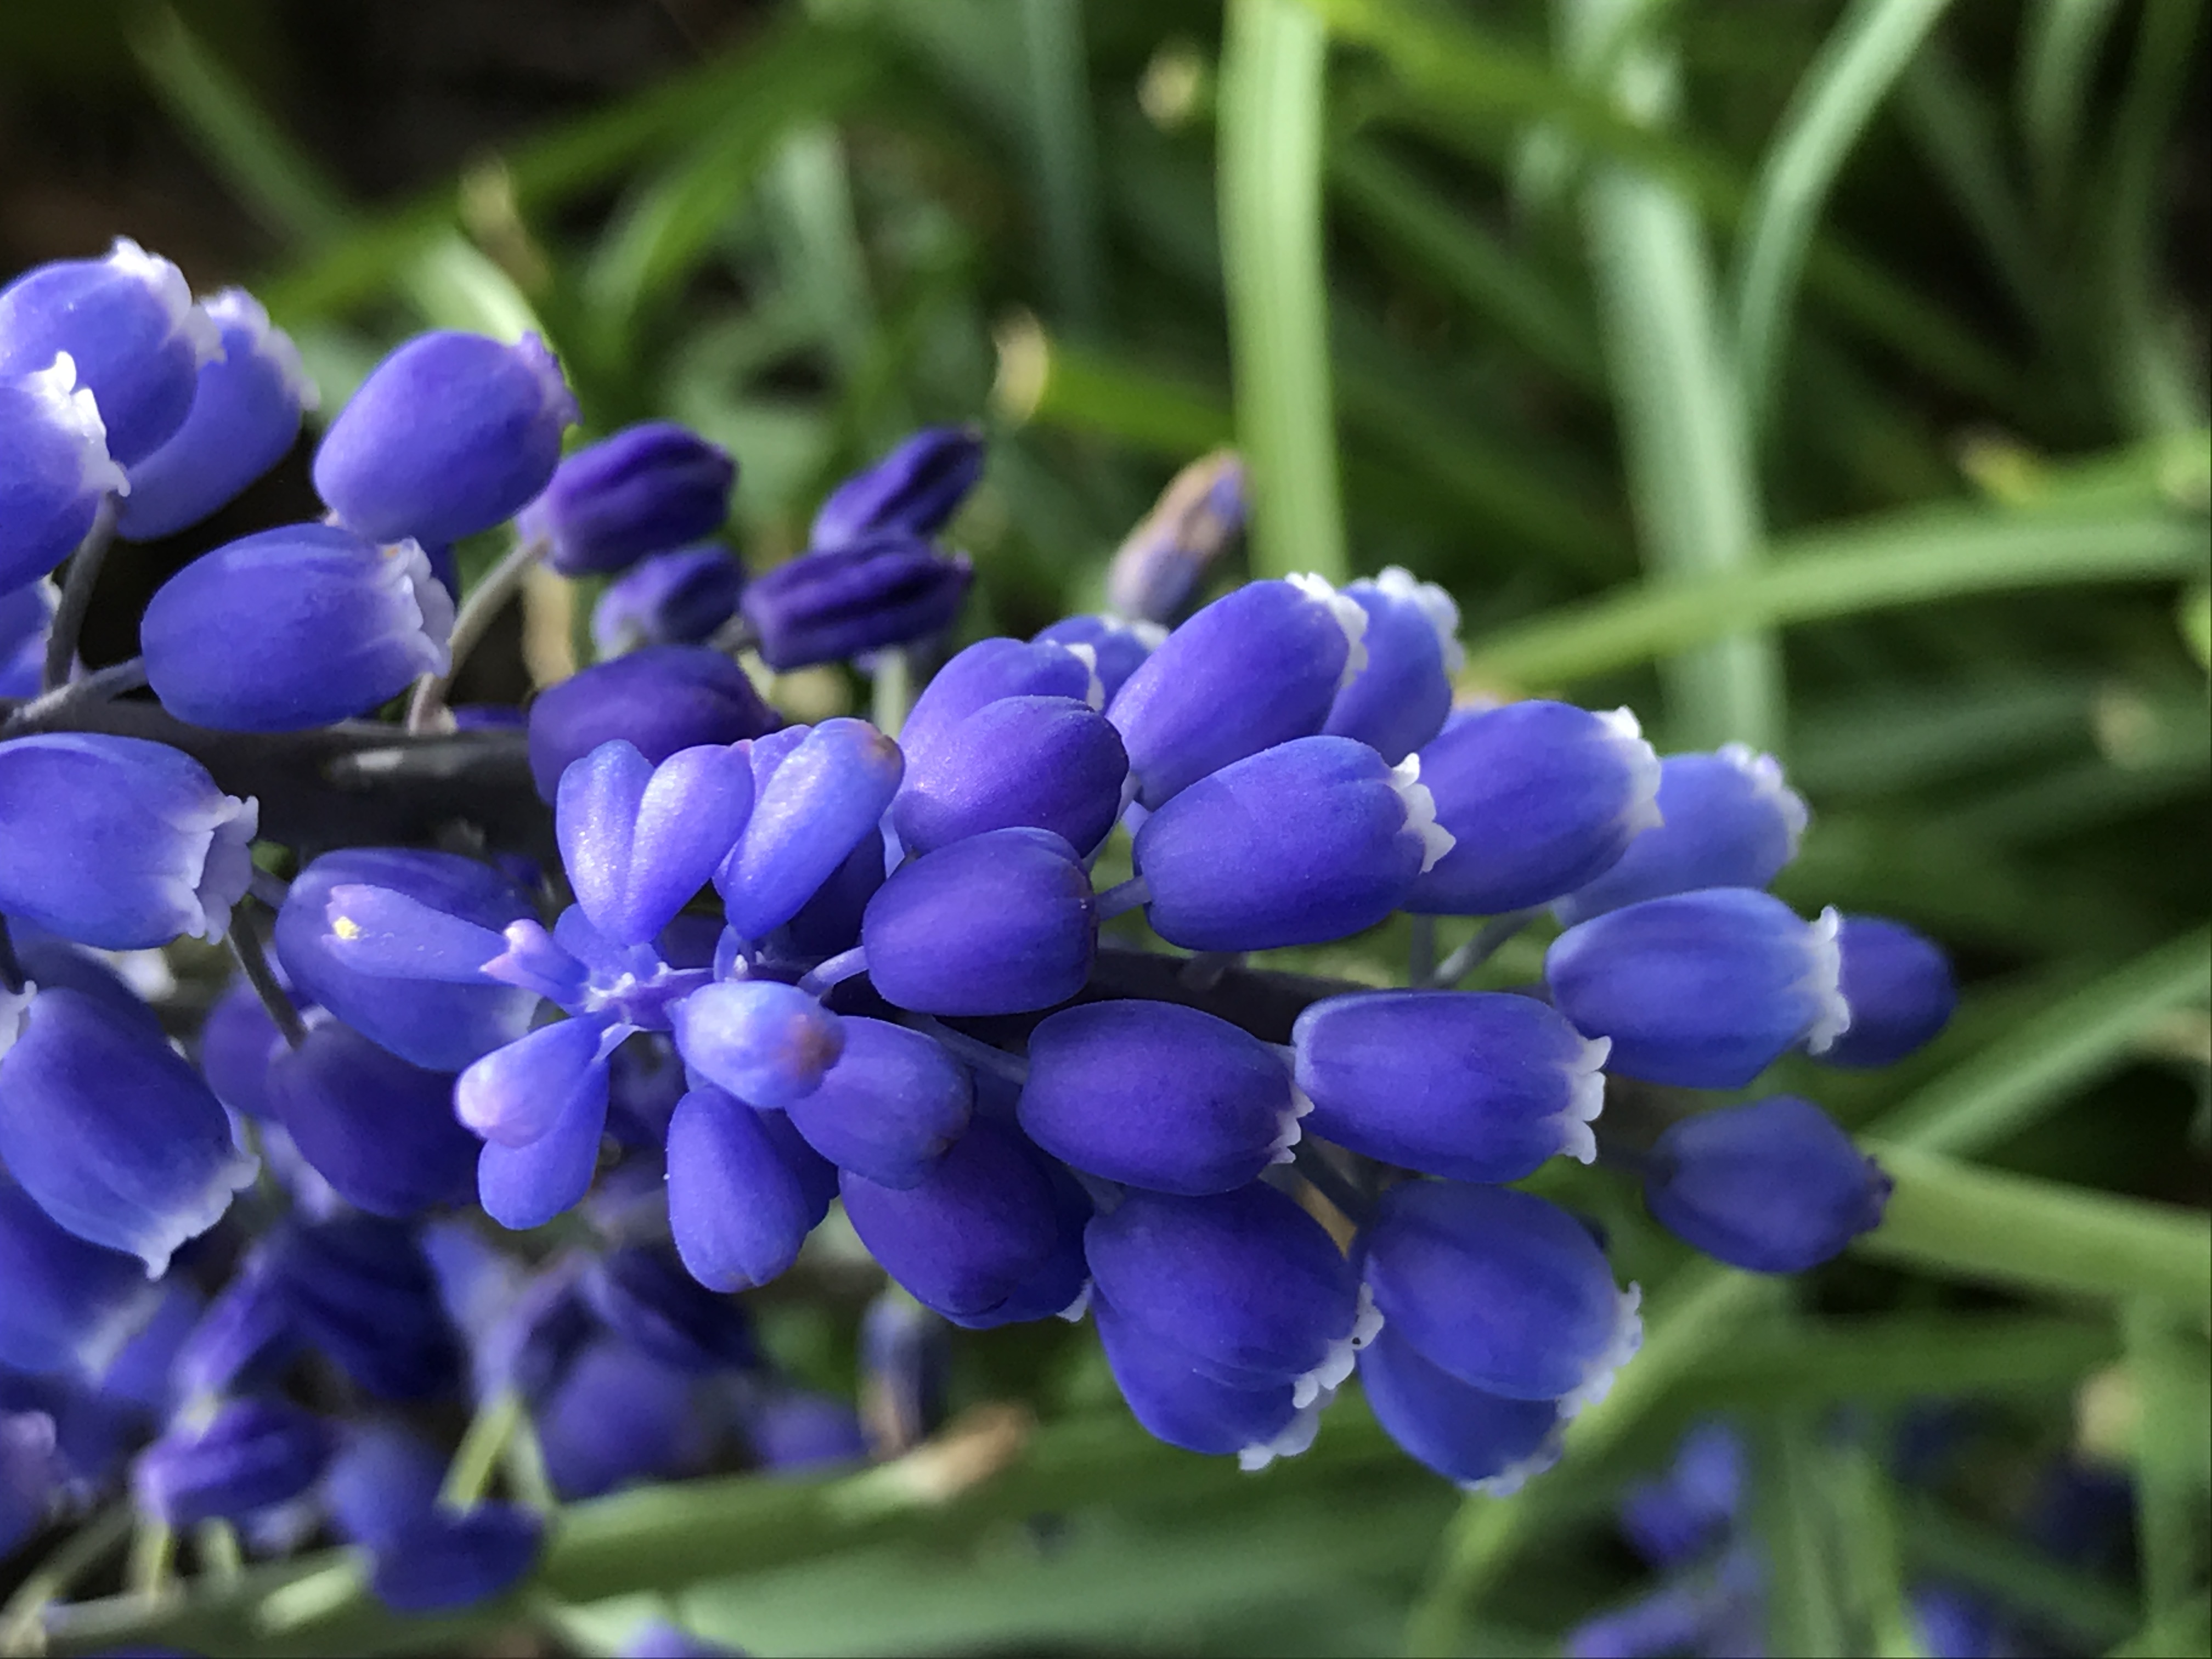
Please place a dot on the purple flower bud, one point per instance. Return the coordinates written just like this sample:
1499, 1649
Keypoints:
449, 435
293, 627
438, 1026
1679, 1518
914, 490
619, 1417
382, 1479
741, 1200
790, 1431
112, 1133
250, 1454
32, 1471
1541, 797
1473, 1085
1720, 1611
1246, 1285
1726, 819
1256, 668
129, 323
365, 1297
821, 607
1309, 841
1183, 1406
244, 417
444, 1561
659, 700
655, 1639
70, 1306
638, 839
238, 1040
118, 842
768, 1043
993, 669
1506, 1293
248, 1334
1702, 990
1773, 1187
1059, 1284
526, 1185
26, 617
890, 1107
54, 469
644, 489
1118, 647
1159, 564
1401, 699
1000, 923
1159, 1096
906, 1351
821, 799
55, 964
670, 598
644, 1296
1045, 762
968, 1237
1488, 1443
380, 1131
1899, 989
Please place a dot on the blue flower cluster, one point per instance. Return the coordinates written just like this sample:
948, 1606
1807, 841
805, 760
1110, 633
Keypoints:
759, 971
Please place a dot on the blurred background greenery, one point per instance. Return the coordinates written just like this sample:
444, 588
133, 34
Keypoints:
1828, 377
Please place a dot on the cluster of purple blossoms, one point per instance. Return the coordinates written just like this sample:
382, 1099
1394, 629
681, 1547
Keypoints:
759, 971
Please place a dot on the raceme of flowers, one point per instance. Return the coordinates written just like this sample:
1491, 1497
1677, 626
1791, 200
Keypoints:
777, 967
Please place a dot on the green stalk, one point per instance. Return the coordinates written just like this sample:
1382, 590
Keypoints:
2165, 1363
1271, 126
1064, 159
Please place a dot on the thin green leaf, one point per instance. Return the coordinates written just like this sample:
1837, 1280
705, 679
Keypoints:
2186, 1630
822, 265
1990, 1098
1901, 1357
1852, 73
2024, 1580
1791, 1518
1270, 135
2059, 48
1871, 1570
1910, 559
1960, 1221
1063, 160
1055, 383
2167, 1364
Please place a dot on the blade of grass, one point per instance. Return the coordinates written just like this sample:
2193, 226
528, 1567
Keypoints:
1690, 484
2166, 1362
1961, 1221
1790, 1517
1849, 76
1867, 1551
1063, 157
1055, 383
1908, 559
819, 253
2022, 1579
2059, 47
1897, 1357
1272, 125
1981, 1103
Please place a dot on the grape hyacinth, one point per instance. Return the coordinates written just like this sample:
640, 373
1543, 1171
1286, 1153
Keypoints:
550, 1043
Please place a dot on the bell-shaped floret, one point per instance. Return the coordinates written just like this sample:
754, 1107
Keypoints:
54, 470
1541, 798
1506, 1293
439, 1020
118, 842
293, 627
829, 923
129, 323
914, 489
238, 1040
620, 1416
766, 1043
1726, 819
109, 1130
670, 598
1684, 1513
820, 800
246, 1334
1044, 763
890, 1107
527, 1185
244, 418
1309, 841
1256, 668
250, 1454
1401, 699
1000, 923
515, 1095
741, 1197
380, 1131
642, 1293
990, 670
1117, 646
886, 590
449, 1560
1899, 986
1473, 1085
68, 1306
448, 436
1161, 561
1487, 1442
1245, 1284
381, 1481
1774, 1187
1183, 1406
644, 489
1158, 1096
1702, 990
363, 1294
967, 1238
661, 699
638, 840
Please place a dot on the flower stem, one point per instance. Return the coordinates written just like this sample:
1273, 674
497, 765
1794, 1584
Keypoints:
471, 623
1487, 942
102, 685
76, 1555
76, 597
253, 963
